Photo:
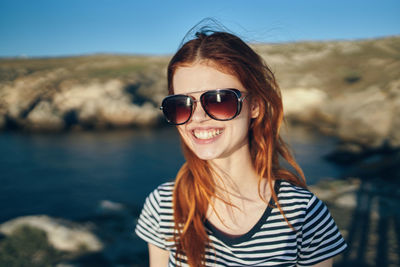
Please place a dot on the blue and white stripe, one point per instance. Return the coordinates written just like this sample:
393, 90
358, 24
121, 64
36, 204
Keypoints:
271, 242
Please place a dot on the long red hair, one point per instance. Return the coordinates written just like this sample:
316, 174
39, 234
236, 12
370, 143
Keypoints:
194, 186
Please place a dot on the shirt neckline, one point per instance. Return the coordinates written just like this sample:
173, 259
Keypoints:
232, 240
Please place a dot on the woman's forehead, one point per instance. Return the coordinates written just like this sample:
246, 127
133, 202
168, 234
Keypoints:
202, 77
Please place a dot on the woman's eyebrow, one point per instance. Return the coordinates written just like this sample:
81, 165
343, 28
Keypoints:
205, 90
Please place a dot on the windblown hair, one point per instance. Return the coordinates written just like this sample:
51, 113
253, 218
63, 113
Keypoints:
195, 187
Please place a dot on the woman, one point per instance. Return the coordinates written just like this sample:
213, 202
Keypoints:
232, 203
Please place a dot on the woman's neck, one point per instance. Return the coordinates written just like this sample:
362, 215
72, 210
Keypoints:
236, 174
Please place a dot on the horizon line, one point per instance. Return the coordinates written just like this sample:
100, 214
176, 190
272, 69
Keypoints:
140, 54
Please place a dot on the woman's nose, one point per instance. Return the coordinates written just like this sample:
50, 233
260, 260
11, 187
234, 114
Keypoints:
198, 113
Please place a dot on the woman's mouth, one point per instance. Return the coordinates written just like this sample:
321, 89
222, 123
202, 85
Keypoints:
206, 134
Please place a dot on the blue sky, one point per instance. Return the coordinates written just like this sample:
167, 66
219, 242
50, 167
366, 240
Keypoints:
74, 27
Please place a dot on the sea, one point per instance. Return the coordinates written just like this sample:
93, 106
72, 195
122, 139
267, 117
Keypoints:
69, 174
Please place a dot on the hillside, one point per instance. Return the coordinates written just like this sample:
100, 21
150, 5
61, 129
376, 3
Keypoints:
350, 89
79, 92
335, 67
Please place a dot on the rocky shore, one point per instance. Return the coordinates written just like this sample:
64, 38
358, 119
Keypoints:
92, 92
105, 238
366, 212
348, 89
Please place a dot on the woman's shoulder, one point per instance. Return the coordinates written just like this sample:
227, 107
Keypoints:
288, 188
162, 195
321, 238
301, 200
155, 223
166, 188
300, 197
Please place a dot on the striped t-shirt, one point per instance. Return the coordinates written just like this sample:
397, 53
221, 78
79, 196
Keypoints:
271, 242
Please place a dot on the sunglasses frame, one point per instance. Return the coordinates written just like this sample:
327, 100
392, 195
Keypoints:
193, 103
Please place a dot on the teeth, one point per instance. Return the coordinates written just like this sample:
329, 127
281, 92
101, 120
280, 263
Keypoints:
206, 134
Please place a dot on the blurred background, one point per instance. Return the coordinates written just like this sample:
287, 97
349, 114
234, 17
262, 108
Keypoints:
82, 142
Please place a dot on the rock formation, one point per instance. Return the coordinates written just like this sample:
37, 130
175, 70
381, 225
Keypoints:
348, 89
62, 234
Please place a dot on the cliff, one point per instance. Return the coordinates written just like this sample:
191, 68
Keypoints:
349, 89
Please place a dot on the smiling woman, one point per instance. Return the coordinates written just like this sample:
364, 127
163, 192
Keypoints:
213, 138
232, 202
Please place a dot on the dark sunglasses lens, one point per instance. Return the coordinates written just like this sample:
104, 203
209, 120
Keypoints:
220, 105
177, 109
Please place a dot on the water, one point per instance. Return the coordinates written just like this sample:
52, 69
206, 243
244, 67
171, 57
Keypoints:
67, 175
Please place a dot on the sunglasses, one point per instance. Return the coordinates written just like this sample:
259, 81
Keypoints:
220, 105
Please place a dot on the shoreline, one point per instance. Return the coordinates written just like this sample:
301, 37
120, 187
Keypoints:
366, 213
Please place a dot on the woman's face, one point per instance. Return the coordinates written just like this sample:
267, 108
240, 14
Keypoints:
208, 138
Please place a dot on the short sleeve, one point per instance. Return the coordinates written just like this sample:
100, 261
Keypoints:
321, 238
148, 225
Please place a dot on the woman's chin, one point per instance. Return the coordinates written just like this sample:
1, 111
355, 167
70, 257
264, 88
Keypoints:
206, 154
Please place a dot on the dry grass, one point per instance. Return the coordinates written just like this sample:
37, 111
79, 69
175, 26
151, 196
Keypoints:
335, 67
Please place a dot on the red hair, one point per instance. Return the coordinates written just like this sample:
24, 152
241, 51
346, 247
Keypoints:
194, 185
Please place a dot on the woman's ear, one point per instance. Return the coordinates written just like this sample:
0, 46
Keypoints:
254, 108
